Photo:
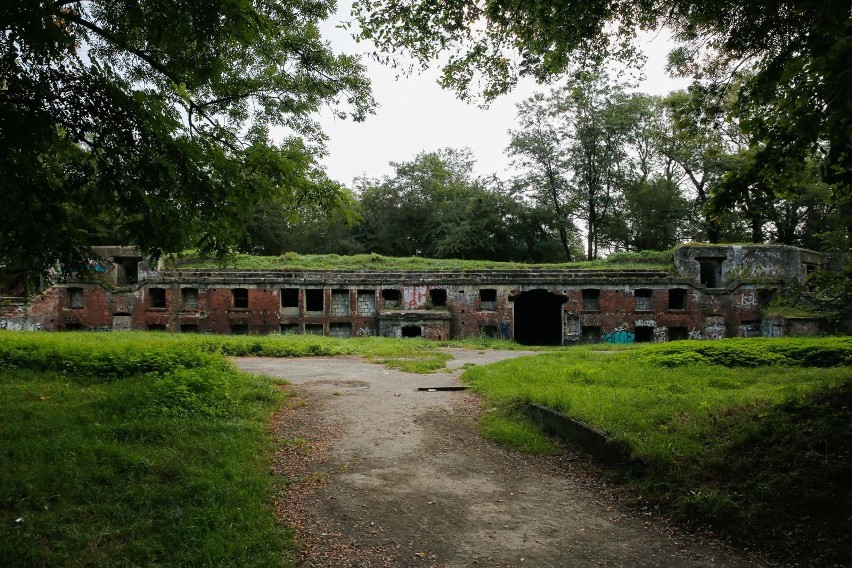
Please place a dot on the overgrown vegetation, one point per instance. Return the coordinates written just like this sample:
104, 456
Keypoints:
133, 450
753, 437
375, 262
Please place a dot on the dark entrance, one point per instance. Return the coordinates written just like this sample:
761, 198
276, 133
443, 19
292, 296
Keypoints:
538, 318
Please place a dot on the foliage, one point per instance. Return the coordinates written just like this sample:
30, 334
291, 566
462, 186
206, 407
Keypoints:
435, 206
148, 123
166, 463
749, 435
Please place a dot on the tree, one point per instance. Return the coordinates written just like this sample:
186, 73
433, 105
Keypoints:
572, 147
794, 53
154, 118
540, 149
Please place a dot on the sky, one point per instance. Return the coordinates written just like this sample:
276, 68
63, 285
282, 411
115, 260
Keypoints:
415, 114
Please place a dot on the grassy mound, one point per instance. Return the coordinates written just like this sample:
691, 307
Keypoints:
750, 436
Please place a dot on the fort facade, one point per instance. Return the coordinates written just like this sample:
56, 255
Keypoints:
713, 291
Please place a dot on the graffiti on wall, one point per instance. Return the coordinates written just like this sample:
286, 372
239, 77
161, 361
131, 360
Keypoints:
694, 334
750, 330
619, 335
414, 297
748, 299
19, 325
661, 334
715, 328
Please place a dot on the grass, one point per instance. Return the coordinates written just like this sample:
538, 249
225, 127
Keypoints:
751, 436
114, 455
650, 260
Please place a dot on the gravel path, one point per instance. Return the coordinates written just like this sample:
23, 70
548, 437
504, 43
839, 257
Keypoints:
382, 474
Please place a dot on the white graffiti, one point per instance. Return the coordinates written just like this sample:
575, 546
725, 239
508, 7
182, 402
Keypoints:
19, 325
661, 334
695, 334
645, 323
364, 332
748, 300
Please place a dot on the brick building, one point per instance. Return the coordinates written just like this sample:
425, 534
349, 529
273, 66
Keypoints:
714, 291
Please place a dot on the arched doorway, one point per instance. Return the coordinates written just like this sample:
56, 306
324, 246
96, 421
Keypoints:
538, 317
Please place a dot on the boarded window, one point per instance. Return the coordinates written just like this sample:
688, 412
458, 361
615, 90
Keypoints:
240, 297
340, 330
438, 297
189, 298
340, 303
290, 329
314, 300
643, 300
488, 299
677, 299
156, 298
591, 300
313, 329
391, 298
75, 298
366, 303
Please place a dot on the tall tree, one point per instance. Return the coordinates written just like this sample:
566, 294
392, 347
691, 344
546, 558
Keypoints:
540, 150
796, 54
572, 149
155, 117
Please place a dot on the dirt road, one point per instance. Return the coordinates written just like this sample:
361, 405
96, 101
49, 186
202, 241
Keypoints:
385, 475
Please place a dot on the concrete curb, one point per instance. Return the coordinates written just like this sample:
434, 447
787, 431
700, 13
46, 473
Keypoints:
592, 440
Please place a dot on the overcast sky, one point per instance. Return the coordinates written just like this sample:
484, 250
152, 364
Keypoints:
414, 114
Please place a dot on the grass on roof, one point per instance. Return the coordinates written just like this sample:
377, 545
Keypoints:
648, 260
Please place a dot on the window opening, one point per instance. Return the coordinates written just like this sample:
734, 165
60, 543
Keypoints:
188, 328
412, 331
157, 297
391, 298
438, 297
290, 298
643, 300
488, 299
643, 334
591, 300
75, 298
678, 333
711, 271
239, 328
314, 300
677, 299
241, 299
189, 298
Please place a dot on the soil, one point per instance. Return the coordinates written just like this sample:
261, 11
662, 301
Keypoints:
378, 473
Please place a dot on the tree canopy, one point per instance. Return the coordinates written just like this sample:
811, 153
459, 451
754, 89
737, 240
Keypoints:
148, 122
792, 57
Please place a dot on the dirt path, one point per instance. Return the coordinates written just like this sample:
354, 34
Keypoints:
390, 476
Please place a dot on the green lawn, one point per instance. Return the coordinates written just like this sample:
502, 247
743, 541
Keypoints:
752, 436
133, 453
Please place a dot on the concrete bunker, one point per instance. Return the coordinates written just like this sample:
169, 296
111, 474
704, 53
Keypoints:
538, 317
